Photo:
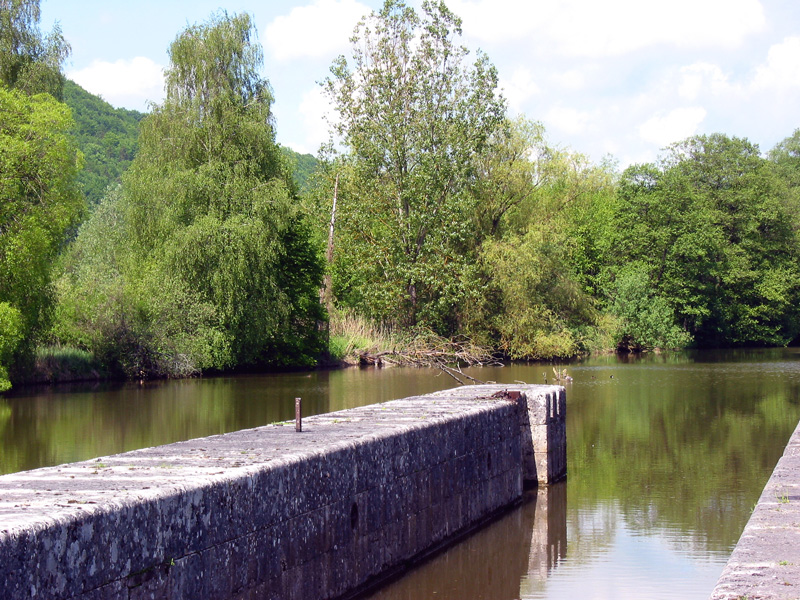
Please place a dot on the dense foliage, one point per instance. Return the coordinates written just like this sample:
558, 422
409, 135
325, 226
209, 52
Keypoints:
709, 232
413, 116
38, 165
107, 137
40, 203
450, 219
201, 259
30, 61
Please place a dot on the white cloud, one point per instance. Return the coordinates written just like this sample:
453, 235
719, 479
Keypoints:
702, 76
676, 125
613, 27
128, 83
314, 110
568, 120
519, 88
316, 30
570, 80
782, 69
497, 20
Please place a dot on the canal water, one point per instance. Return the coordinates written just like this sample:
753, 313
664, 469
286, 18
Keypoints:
667, 454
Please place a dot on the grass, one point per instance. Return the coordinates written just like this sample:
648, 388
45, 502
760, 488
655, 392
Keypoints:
350, 335
356, 340
64, 363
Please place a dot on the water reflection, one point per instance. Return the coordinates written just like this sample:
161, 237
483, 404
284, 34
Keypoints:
54, 425
524, 545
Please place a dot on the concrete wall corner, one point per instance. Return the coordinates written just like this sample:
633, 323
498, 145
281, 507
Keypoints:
543, 412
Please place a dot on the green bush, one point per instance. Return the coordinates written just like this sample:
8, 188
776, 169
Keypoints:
11, 332
646, 321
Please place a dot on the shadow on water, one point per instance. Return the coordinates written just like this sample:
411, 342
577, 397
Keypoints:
523, 545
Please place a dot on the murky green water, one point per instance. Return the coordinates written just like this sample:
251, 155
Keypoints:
666, 457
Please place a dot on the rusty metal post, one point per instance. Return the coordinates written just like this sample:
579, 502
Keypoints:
298, 418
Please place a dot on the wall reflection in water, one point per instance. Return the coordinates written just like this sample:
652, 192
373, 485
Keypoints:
502, 561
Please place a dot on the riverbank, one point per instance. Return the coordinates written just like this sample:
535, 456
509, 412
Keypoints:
766, 562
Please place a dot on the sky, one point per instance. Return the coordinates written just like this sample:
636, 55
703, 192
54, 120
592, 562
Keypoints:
614, 77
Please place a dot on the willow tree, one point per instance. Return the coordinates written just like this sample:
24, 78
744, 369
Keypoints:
38, 166
40, 202
217, 259
29, 60
414, 115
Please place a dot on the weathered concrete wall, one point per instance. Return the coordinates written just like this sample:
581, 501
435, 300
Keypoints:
545, 454
766, 562
268, 512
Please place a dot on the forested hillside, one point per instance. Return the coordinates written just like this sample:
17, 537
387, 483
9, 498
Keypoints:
107, 136
303, 167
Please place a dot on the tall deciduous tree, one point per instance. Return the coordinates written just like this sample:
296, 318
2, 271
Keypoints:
786, 158
542, 267
30, 61
218, 260
413, 118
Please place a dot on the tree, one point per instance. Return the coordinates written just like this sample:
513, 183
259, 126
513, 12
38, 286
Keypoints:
10, 336
786, 158
645, 320
41, 201
217, 268
711, 227
29, 61
510, 171
413, 118
541, 269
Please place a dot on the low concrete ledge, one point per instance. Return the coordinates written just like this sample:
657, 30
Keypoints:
271, 513
766, 562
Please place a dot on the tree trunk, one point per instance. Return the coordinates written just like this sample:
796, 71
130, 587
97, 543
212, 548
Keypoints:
326, 294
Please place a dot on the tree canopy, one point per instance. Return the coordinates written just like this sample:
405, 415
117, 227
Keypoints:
413, 117
711, 228
29, 60
213, 267
41, 201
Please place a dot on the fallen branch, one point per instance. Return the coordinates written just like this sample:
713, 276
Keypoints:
429, 350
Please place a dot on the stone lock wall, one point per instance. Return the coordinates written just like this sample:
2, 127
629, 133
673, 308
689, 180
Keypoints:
272, 513
765, 563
